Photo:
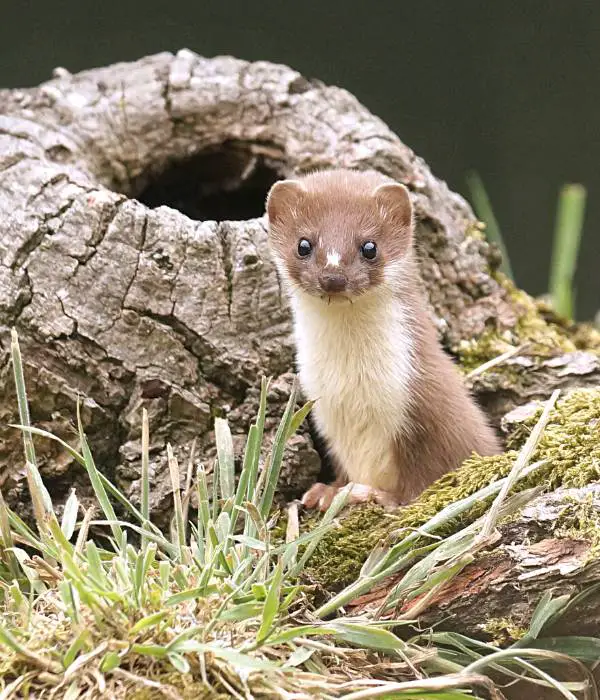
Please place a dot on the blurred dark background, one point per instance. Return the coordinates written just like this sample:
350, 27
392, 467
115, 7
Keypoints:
509, 89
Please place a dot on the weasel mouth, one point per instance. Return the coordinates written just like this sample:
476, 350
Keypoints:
336, 298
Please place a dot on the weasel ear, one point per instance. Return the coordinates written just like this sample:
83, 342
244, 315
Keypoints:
282, 197
395, 204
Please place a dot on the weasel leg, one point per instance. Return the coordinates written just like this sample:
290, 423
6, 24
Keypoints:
321, 495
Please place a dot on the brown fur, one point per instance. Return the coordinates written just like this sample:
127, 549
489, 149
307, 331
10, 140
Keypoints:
448, 426
340, 210
347, 215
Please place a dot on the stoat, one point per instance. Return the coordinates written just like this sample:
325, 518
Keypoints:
390, 404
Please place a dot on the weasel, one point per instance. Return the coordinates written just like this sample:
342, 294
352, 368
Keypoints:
390, 404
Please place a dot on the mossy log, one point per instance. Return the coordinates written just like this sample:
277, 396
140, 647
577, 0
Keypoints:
551, 546
134, 265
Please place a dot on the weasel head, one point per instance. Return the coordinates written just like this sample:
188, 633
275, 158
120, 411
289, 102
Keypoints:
340, 235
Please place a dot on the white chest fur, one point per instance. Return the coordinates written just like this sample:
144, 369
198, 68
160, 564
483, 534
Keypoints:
356, 360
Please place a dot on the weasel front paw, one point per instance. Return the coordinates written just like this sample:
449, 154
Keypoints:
321, 495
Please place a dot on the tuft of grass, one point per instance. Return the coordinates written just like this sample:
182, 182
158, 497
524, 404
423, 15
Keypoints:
485, 212
567, 239
565, 249
214, 608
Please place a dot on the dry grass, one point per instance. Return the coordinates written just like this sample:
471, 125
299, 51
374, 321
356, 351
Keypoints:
214, 609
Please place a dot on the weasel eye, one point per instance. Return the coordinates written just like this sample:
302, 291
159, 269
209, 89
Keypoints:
368, 250
304, 247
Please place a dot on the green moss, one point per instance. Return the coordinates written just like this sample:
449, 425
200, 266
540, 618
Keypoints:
474, 352
537, 324
503, 631
570, 445
338, 558
586, 337
476, 230
580, 520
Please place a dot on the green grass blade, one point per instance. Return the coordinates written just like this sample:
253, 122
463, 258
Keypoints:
567, 237
44, 433
149, 621
176, 486
318, 533
279, 443
484, 212
62, 543
586, 649
298, 418
145, 476
546, 609
215, 493
22, 398
189, 477
271, 606
203, 516
203, 499
25, 532
69, 518
225, 458
243, 611
364, 635
39, 499
252, 447
260, 428
94, 563
520, 464
6, 540
98, 486
238, 659
81, 641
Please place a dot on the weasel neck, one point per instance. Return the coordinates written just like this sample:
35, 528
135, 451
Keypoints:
369, 345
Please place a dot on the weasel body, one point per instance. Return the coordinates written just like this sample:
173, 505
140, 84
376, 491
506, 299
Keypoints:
390, 404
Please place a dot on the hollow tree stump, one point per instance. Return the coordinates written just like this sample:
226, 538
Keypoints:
133, 258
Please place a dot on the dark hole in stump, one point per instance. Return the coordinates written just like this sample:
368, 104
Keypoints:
224, 183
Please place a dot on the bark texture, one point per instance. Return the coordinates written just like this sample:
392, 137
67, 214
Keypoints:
133, 258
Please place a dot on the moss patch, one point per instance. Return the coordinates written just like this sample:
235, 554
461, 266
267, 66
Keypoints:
580, 520
537, 324
337, 560
570, 444
476, 230
503, 631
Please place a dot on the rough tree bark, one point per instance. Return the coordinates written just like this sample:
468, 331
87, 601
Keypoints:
133, 257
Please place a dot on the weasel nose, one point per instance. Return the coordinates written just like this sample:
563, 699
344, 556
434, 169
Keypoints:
333, 281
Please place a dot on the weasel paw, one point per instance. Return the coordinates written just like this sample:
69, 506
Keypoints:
321, 495
361, 493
